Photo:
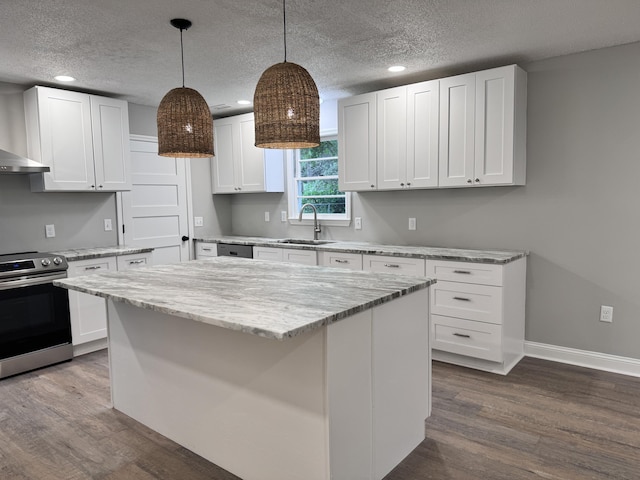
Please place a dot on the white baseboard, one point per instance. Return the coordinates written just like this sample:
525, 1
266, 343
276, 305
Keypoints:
584, 358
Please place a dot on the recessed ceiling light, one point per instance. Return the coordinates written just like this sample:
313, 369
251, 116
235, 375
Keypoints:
244, 102
64, 78
397, 68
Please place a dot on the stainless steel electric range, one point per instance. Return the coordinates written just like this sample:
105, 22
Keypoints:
35, 329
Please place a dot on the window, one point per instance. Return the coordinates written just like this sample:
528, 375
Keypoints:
314, 180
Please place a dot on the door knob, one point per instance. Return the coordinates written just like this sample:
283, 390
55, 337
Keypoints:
185, 238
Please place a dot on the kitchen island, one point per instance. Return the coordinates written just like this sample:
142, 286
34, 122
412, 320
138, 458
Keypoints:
272, 371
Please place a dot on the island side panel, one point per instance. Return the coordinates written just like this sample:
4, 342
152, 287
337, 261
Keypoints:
254, 406
401, 373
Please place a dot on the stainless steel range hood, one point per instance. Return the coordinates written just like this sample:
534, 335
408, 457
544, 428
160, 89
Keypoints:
12, 163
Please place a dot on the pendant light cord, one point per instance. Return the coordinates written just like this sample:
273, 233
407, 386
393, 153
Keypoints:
182, 57
284, 27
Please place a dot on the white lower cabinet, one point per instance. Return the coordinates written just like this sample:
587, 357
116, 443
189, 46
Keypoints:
352, 261
477, 313
389, 264
88, 313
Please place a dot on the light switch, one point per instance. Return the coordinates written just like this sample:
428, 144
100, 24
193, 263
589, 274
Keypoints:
357, 223
50, 231
107, 225
198, 221
412, 223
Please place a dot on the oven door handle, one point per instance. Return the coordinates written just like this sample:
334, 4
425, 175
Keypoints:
30, 281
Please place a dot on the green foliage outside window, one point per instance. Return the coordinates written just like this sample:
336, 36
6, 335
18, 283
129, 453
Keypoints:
317, 178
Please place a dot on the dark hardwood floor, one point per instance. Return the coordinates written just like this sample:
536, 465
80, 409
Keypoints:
543, 421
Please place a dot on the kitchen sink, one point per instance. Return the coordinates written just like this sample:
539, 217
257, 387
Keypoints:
302, 241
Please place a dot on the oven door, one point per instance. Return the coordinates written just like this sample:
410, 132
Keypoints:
34, 315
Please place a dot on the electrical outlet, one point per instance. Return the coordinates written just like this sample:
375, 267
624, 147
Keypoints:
198, 222
412, 223
50, 231
358, 223
283, 216
606, 313
266, 216
107, 225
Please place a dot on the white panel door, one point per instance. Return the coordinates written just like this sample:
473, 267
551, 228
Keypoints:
155, 210
423, 114
251, 158
392, 138
222, 163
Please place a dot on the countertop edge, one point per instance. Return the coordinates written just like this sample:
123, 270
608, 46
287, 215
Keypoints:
77, 254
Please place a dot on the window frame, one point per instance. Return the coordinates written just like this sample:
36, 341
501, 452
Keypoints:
329, 219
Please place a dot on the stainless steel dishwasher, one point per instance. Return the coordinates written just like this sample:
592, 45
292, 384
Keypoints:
231, 250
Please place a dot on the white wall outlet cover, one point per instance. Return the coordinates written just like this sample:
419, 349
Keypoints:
606, 313
50, 231
107, 225
283, 216
266, 216
198, 222
412, 223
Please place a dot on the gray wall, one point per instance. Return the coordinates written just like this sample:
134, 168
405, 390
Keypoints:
578, 213
78, 217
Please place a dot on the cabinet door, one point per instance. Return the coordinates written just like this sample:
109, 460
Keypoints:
66, 144
302, 257
205, 250
250, 161
357, 143
88, 313
495, 109
110, 127
423, 115
268, 253
222, 171
457, 118
391, 127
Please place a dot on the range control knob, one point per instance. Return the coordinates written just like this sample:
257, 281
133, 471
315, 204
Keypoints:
57, 260
45, 262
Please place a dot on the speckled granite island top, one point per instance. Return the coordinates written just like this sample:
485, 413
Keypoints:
273, 300
435, 253
77, 254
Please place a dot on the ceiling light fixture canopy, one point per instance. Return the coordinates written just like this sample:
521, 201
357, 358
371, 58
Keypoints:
185, 125
286, 105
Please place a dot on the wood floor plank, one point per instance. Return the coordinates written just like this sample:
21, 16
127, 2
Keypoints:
542, 421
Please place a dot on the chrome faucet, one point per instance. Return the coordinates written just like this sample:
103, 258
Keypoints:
316, 225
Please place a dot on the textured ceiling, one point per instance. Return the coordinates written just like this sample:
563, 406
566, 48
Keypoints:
127, 48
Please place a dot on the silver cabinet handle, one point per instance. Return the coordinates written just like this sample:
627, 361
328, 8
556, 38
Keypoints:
462, 299
392, 265
206, 249
464, 272
136, 262
94, 267
338, 260
462, 335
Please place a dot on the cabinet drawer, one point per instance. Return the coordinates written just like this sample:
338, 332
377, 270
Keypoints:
465, 337
89, 267
352, 261
467, 272
128, 262
303, 257
468, 301
401, 265
206, 249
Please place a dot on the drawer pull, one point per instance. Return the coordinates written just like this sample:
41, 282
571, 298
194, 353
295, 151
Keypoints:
462, 335
94, 267
462, 299
464, 272
338, 260
392, 265
206, 249
136, 262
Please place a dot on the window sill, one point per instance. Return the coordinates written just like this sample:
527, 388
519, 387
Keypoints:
334, 222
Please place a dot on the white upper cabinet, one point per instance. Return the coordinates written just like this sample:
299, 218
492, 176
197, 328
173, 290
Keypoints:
468, 130
84, 139
357, 143
483, 128
238, 165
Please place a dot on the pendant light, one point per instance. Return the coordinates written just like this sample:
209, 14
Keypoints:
185, 125
286, 105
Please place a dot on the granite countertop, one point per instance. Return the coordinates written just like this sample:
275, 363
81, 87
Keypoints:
100, 252
272, 300
435, 253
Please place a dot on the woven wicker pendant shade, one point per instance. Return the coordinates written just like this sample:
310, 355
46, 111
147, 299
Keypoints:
286, 108
185, 125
